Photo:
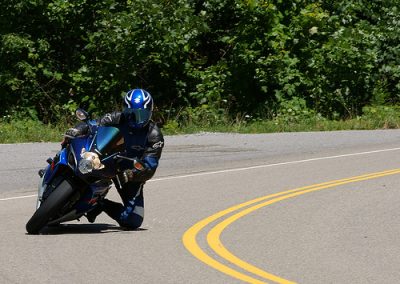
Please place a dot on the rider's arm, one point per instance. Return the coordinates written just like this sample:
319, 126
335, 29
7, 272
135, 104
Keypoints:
151, 156
113, 118
80, 129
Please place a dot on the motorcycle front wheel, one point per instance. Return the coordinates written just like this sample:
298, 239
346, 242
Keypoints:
49, 207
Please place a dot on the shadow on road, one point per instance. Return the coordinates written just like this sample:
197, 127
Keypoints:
85, 229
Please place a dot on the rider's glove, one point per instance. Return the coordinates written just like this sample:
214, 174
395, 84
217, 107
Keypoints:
139, 173
127, 176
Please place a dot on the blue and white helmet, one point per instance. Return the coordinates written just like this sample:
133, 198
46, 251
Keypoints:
138, 108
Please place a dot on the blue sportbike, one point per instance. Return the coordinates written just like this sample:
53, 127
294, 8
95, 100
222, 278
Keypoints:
79, 176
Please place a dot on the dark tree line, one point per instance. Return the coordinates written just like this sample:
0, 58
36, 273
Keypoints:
225, 57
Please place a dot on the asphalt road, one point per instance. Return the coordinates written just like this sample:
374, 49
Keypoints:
318, 207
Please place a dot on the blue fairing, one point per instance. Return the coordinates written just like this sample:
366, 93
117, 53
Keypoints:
79, 145
76, 146
63, 157
89, 187
103, 140
52, 169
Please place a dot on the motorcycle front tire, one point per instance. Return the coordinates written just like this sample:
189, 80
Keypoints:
49, 207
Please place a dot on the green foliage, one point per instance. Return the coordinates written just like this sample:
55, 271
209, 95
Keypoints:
383, 116
295, 110
205, 62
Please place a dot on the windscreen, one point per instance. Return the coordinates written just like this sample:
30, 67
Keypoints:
109, 140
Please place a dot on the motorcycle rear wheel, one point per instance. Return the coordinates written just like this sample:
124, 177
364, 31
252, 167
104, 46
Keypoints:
49, 207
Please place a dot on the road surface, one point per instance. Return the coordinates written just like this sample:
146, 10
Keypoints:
319, 207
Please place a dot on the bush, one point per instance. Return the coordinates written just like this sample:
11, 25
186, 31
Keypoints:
229, 58
383, 116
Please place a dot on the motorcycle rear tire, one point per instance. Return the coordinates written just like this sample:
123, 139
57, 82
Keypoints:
49, 207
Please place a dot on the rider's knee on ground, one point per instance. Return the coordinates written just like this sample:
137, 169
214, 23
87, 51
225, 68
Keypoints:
132, 221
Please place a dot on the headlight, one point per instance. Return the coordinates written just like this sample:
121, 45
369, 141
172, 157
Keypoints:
85, 166
90, 161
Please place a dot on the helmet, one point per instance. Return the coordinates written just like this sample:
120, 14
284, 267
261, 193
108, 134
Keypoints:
138, 108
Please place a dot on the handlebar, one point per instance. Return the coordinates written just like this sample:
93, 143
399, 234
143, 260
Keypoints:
136, 163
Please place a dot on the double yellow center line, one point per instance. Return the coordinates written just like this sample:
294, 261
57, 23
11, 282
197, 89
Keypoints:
213, 237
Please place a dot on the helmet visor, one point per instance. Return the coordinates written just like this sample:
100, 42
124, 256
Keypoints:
138, 116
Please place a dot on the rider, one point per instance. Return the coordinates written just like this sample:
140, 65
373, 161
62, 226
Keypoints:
143, 140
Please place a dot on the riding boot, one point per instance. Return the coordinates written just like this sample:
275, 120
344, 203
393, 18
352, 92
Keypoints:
92, 215
113, 209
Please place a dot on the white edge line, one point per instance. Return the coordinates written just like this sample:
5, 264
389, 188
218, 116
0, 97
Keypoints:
244, 168
18, 197
273, 165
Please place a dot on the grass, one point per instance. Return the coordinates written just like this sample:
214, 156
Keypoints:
18, 131
276, 126
374, 117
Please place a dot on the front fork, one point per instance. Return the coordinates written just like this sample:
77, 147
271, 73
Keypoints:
41, 188
42, 185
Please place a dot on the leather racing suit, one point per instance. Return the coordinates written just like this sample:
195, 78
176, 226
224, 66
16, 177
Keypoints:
145, 144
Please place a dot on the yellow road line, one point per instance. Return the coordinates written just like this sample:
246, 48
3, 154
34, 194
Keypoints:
213, 238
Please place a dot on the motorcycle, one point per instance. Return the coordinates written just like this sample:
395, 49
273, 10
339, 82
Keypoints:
79, 176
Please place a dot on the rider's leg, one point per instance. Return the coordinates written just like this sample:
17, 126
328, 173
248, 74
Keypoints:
129, 215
